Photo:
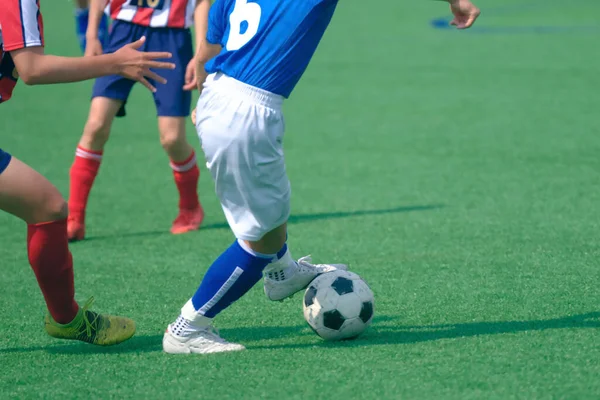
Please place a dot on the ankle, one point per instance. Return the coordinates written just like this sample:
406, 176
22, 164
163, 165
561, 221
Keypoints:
78, 216
183, 327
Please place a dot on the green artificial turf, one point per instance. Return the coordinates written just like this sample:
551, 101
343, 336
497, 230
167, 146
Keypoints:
457, 172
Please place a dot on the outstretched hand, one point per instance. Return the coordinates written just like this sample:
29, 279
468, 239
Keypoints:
135, 65
465, 13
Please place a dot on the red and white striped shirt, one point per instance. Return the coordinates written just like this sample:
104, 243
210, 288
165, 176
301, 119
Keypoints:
21, 26
154, 13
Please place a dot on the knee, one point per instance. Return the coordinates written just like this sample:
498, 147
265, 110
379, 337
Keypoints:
97, 130
55, 208
171, 139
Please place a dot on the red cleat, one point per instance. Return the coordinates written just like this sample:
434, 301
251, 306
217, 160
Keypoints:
75, 229
187, 220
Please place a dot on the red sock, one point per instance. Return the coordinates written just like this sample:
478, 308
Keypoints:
52, 263
83, 173
186, 175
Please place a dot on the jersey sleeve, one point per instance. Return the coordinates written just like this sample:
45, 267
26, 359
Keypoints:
216, 23
22, 24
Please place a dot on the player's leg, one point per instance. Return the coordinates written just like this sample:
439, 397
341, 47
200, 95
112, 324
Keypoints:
185, 172
81, 24
246, 161
225, 141
88, 157
173, 107
108, 98
31, 197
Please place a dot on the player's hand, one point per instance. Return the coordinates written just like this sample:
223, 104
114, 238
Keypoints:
93, 47
135, 65
190, 76
193, 115
465, 13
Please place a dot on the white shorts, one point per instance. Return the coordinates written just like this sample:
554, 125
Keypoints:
241, 131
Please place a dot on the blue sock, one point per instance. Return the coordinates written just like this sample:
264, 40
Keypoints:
103, 31
229, 278
81, 25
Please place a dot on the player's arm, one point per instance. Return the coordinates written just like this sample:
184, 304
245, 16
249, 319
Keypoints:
209, 45
93, 45
200, 28
36, 68
206, 51
465, 13
201, 21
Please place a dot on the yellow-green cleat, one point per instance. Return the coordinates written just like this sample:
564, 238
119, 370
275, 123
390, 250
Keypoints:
91, 327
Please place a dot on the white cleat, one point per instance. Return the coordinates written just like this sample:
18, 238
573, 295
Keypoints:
206, 341
280, 285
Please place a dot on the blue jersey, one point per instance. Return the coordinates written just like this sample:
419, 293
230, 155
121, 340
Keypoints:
267, 43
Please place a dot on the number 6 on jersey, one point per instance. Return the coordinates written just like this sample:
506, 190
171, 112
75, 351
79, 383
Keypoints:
244, 13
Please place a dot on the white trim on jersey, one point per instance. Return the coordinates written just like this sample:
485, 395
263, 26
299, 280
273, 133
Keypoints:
29, 20
127, 12
160, 18
189, 13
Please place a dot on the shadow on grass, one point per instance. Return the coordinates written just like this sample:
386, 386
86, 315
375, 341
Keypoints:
381, 333
294, 219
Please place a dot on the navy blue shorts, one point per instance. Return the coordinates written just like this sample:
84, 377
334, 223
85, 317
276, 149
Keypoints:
4, 160
170, 99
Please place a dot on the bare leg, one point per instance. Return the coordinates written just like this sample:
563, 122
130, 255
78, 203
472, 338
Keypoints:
28, 195
272, 242
173, 139
97, 128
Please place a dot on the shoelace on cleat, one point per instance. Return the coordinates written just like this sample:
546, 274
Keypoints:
86, 329
214, 335
89, 325
307, 266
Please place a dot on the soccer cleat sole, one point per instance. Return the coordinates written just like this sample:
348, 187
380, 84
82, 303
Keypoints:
173, 346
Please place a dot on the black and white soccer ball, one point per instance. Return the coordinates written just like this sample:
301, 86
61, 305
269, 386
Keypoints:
338, 305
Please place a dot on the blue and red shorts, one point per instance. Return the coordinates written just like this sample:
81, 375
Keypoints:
170, 99
4, 160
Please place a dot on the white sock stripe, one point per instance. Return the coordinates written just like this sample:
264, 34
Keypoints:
222, 291
185, 167
86, 154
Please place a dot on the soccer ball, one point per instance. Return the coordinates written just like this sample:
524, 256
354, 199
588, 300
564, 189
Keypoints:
338, 305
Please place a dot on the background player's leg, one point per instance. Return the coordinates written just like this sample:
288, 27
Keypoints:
108, 95
88, 157
100, 118
185, 172
173, 107
173, 139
